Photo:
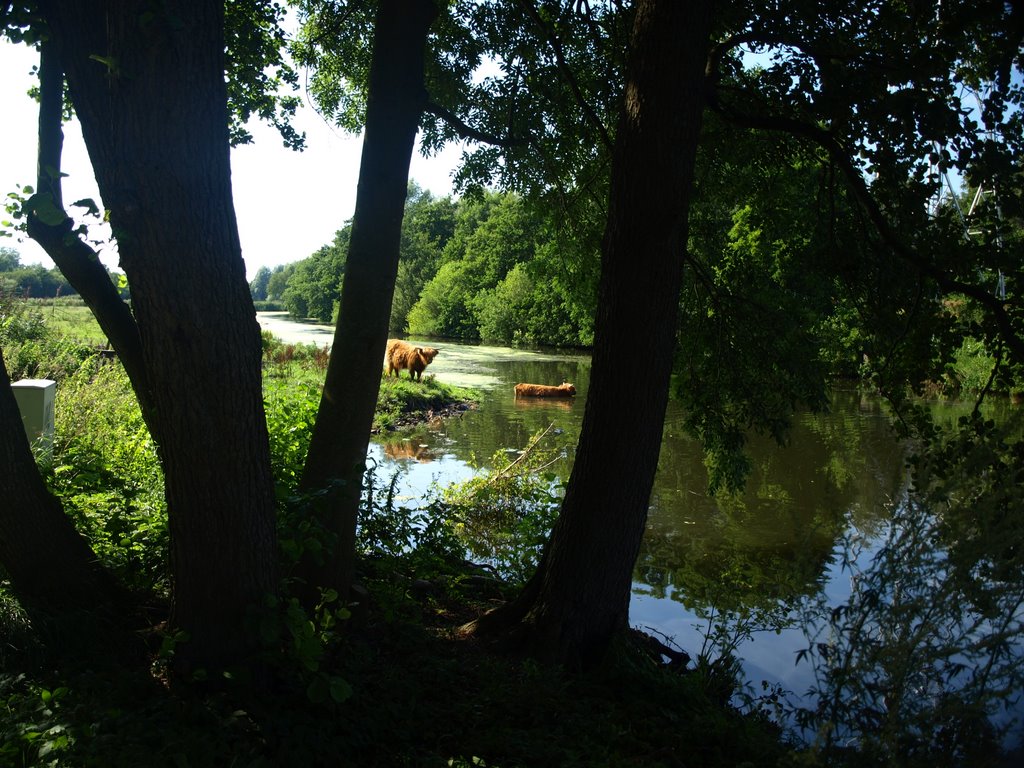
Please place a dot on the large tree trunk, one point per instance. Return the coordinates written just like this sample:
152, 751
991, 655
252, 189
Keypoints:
579, 598
51, 567
337, 452
147, 83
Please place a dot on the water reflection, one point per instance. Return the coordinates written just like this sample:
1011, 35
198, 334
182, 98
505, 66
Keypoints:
755, 555
773, 542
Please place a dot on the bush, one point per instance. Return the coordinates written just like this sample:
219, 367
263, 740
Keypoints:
269, 306
504, 516
31, 349
106, 471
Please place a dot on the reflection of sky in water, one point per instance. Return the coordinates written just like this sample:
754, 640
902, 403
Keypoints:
766, 655
840, 468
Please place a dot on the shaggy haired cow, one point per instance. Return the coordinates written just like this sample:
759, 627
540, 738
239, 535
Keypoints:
564, 389
402, 356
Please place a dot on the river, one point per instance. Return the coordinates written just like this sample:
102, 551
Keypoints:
754, 555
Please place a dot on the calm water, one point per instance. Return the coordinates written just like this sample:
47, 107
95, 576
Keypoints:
751, 554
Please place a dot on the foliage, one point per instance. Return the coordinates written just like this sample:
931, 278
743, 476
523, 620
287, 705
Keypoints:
258, 70
300, 642
259, 284
31, 349
314, 284
106, 472
427, 226
503, 278
400, 545
486, 266
268, 306
504, 515
278, 281
34, 281
278, 354
10, 259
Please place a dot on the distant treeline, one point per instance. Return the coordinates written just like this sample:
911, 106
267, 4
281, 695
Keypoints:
30, 280
34, 281
487, 266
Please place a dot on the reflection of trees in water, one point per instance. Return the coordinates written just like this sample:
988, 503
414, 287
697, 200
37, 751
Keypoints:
924, 658
772, 543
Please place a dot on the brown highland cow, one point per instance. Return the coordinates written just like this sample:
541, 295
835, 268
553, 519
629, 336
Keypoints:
544, 390
402, 356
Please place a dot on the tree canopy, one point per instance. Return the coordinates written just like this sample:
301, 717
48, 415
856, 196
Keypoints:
729, 201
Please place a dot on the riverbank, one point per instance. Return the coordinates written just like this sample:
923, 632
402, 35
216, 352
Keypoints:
401, 401
415, 693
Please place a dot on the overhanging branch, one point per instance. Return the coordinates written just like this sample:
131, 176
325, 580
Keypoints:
838, 154
467, 131
567, 74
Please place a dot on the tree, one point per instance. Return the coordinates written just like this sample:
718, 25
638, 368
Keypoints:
278, 282
198, 342
314, 284
337, 451
570, 611
10, 260
427, 226
259, 283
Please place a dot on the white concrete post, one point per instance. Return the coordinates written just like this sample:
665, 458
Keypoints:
36, 399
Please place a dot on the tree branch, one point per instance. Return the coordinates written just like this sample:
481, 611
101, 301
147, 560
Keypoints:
468, 132
568, 75
827, 141
76, 260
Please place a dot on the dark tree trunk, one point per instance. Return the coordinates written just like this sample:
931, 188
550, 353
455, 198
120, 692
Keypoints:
147, 83
337, 452
77, 261
578, 600
51, 567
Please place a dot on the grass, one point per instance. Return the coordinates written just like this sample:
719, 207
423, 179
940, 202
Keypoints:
70, 318
402, 401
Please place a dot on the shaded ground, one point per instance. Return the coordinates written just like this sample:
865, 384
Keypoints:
421, 696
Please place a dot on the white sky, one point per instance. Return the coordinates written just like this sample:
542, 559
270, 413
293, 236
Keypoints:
288, 204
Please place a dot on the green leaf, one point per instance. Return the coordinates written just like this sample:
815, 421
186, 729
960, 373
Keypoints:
43, 207
340, 689
318, 690
109, 62
89, 204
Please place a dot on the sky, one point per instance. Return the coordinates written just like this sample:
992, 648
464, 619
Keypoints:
288, 204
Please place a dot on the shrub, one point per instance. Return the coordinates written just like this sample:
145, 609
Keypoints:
106, 471
504, 516
31, 349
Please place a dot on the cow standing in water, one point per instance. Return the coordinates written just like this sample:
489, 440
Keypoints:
565, 389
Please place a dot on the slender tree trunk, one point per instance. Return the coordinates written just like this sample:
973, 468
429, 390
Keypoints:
147, 83
77, 261
52, 568
579, 598
337, 452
